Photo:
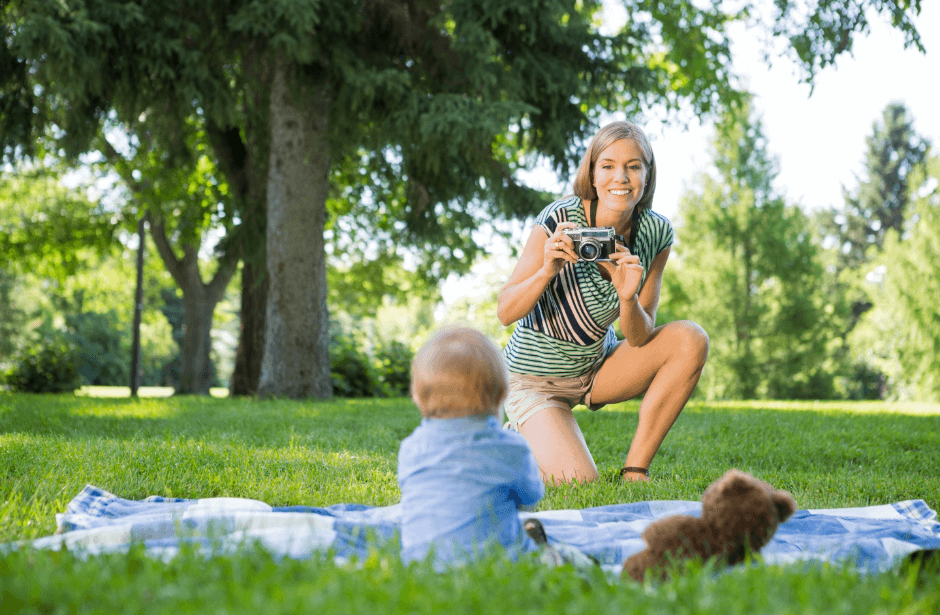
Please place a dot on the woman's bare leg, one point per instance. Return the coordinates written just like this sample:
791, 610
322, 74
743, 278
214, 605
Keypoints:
559, 446
666, 368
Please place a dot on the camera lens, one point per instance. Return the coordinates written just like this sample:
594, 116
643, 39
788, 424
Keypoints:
589, 250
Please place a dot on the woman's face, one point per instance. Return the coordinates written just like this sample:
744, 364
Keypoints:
620, 175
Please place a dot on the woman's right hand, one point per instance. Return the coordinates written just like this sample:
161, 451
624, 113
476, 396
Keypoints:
559, 249
541, 260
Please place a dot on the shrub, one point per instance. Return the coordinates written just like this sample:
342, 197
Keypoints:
103, 347
393, 362
351, 371
49, 367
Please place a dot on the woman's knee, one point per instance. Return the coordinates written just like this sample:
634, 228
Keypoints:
559, 446
689, 341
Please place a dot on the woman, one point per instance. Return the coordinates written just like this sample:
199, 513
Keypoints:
564, 351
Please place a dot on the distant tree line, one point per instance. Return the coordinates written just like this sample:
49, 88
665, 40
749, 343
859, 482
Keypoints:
310, 150
839, 303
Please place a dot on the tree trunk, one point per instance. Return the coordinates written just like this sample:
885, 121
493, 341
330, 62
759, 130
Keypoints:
296, 353
138, 305
199, 301
247, 370
246, 165
196, 372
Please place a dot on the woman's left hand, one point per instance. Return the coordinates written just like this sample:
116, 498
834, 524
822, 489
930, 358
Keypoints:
626, 272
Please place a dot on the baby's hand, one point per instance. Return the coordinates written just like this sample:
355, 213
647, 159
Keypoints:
536, 531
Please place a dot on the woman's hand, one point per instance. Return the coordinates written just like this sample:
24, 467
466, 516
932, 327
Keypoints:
626, 272
543, 257
558, 250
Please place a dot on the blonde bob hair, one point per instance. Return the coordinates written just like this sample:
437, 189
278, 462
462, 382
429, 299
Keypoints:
605, 137
458, 372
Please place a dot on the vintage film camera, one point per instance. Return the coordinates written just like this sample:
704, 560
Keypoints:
594, 243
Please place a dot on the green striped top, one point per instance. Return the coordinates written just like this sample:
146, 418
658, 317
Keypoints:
570, 330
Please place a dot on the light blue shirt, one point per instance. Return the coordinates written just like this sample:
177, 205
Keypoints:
462, 482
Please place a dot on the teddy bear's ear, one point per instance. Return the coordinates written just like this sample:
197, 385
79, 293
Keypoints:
785, 504
735, 483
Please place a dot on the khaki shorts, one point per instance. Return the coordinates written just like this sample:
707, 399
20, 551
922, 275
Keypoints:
529, 394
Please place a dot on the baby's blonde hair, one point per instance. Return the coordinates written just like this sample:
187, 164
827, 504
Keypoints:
458, 372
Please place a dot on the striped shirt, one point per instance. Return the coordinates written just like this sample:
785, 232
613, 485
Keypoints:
570, 330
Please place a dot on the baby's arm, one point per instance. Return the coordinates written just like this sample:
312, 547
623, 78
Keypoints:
530, 486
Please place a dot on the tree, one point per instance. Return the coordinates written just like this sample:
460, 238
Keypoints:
901, 333
881, 200
183, 200
749, 274
44, 226
12, 318
857, 229
436, 105
820, 31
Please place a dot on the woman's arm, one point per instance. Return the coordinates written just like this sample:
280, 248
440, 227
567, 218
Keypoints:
541, 260
637, 309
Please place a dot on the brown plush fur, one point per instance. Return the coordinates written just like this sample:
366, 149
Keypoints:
739, 512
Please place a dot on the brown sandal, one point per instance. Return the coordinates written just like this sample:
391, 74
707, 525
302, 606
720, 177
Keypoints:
644, 471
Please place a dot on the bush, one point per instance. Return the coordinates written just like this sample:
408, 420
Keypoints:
351, 371
393, 362
50, 367
103, 347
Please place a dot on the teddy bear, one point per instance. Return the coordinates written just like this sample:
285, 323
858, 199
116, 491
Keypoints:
739, 512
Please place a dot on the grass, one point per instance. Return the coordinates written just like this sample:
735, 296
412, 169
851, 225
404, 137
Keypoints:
320, 453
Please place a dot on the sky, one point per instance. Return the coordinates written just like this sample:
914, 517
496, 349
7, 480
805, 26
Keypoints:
816, 135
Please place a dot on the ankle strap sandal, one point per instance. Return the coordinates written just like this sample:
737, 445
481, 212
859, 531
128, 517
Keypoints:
643, 471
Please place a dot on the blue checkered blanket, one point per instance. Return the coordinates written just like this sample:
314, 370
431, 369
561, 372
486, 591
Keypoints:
869, 539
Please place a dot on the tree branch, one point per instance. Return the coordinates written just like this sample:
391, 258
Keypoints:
174, 265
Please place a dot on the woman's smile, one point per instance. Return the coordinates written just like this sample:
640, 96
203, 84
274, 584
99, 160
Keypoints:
620, 175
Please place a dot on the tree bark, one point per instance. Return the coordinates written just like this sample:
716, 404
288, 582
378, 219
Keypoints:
254, 295
296, 353
245, 163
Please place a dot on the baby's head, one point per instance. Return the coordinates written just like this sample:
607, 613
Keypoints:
458, 372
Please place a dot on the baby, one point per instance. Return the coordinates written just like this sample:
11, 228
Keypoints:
463, 478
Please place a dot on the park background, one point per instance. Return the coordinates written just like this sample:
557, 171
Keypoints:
805, 214
117, 117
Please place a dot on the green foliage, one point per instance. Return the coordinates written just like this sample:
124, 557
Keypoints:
46, 227
393, 363
858, 232
748, 272
902, 331
433, 107
12, 316
351, 371
820, 31
895, 154
359, 288
52, 366
367, 365
102, 347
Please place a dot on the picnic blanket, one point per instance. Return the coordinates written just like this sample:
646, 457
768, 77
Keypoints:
869, 539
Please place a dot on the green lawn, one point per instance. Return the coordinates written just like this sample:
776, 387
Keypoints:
320, 453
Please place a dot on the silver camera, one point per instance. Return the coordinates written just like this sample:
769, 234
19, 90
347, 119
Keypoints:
594, 243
